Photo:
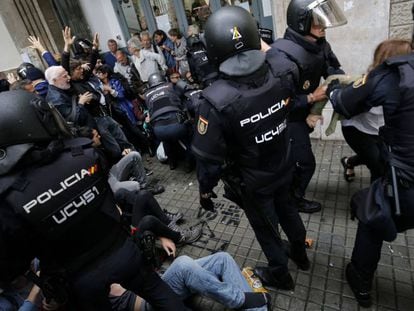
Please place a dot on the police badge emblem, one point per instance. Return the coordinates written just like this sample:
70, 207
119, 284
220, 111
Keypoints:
202, 125
360, 82
306, 84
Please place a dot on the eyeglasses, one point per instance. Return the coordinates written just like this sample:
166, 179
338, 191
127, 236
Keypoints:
175, 77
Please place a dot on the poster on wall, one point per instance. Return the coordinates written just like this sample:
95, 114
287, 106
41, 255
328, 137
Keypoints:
267, 8
163, 22
244, 5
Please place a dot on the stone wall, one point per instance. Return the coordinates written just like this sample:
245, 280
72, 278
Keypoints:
401, 21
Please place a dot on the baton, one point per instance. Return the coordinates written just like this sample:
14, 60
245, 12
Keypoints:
395, 187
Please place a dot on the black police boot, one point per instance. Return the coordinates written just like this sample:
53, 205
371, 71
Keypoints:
297, 253
278, 277
254, 300
189, 166
307, 206
360, 286
172, 164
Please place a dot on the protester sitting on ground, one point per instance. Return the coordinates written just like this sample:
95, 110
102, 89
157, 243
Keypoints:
83, 81
141, 211
60, 94
122, 107
216, 276
127, 172
137, 204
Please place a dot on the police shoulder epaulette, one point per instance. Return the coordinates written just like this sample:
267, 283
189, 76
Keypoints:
221, 94
400, 60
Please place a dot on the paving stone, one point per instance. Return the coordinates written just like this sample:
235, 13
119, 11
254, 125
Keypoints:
323, 287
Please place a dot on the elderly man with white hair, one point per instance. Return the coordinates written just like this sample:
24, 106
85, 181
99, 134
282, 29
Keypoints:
145, 61
66, 102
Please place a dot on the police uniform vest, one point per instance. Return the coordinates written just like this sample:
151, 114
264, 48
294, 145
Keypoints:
162, 100
255, 121
67, 202
312, 67
199, 63
399, 129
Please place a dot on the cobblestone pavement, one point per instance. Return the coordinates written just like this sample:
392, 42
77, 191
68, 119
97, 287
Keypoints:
323, 286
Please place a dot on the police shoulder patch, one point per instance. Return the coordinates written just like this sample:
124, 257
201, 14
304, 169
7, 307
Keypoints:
360, 82
202, 125
306, 84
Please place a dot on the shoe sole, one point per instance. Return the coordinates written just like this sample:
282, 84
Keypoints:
309, 211
272, 286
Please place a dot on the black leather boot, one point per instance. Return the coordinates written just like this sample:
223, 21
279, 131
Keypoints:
278, 277
307, 206
299, 256
360, 286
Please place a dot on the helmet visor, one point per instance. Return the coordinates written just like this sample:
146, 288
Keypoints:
327, 13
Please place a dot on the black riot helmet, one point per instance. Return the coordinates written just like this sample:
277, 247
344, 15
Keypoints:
326, 13
27, 118
229, 31
82, 47
22, 70
155, 79
193, 40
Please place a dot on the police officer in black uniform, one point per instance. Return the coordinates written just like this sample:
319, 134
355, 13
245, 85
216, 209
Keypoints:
55, 204
202, 70
390, 85
168, 118
304, 43
242, 122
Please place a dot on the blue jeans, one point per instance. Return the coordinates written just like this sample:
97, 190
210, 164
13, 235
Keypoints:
10, 300
170, 135
216, 276
130, 165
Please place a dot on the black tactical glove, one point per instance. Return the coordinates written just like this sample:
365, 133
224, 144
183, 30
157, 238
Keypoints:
206, 202
333, 85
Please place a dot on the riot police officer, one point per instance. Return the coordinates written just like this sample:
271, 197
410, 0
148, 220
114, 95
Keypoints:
56, 205
386, 207
202, 70
304, 42
168, 118
22, 70
242, 123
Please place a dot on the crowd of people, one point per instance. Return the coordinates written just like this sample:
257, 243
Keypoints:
225, 103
